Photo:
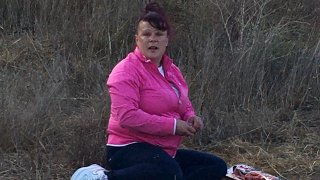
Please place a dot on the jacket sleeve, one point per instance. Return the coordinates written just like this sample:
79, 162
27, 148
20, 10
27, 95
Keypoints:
123, 88
189, 111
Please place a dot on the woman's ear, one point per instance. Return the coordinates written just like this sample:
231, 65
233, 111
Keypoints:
136, 38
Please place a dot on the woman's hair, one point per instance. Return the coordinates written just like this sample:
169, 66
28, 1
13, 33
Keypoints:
155, 15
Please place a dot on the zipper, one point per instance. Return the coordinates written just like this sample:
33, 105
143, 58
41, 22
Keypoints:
166, 79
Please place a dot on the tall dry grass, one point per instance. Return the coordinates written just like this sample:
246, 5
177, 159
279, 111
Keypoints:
252, 67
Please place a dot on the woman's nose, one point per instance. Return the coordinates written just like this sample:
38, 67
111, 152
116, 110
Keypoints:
153, 38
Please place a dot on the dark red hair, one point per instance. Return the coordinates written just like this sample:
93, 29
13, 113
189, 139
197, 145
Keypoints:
155, 15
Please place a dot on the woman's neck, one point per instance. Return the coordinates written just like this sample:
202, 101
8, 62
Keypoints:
156, 62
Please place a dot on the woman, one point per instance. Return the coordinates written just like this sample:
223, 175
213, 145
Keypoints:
151, 112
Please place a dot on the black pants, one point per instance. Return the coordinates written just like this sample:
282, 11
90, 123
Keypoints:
142, 161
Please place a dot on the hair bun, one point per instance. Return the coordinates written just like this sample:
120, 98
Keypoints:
154, 7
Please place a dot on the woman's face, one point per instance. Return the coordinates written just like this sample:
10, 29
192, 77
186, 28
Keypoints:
151, 41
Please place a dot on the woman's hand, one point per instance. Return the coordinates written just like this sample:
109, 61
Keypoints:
183, 128
196, 123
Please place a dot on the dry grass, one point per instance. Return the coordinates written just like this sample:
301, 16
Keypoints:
252, 66
287, 161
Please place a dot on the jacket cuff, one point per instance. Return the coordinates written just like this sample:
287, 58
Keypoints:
175, 126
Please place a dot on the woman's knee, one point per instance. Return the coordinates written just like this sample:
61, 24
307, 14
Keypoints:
220, 167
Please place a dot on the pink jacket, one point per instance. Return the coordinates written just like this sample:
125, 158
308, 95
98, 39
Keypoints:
144, 105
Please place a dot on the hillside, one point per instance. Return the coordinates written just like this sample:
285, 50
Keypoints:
253, 68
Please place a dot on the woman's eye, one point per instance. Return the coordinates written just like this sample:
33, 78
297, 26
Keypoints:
146, 34
159, 34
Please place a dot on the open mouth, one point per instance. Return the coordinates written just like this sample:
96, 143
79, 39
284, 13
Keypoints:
153, 48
